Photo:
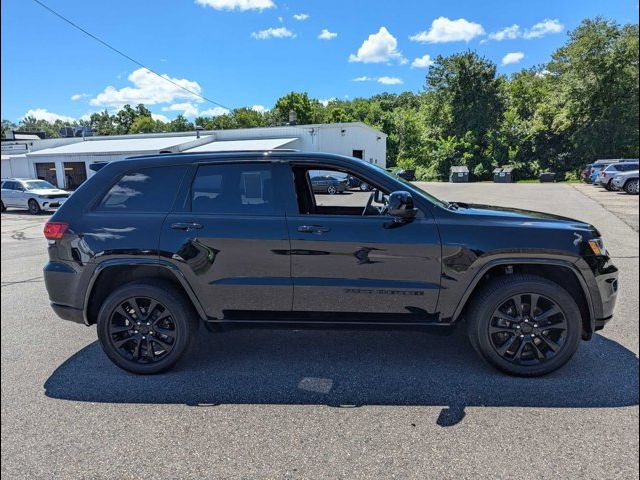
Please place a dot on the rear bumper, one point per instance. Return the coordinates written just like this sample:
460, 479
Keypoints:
66, 312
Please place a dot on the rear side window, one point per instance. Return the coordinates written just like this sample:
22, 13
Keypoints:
236, 189
627, 167
149, 190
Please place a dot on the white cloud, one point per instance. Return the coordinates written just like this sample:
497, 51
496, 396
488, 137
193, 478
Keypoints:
187, 109
158, 116
424, 61
148, 89
78, 96
327, 35
214, 112
259, 108
543, 28
378, 48
390, 80
44, 114
507, 33
241, 5
301, 16
280, 32
511, 58
446, 30
325, 101
384, 80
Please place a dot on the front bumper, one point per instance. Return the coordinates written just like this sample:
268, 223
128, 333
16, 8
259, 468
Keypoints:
51, 205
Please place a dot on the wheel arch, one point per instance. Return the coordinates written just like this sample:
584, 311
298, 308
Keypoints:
564, 273
113, 273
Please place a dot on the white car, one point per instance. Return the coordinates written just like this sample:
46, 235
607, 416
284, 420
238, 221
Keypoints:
35, 195
627, 181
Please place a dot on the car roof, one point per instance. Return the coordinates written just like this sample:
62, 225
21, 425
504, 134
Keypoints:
244, 156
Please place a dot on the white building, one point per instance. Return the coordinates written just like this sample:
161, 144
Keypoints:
65, 162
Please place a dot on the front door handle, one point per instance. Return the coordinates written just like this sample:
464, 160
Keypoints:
186, 226
317, 229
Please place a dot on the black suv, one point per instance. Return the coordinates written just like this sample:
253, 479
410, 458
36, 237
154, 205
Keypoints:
150, 246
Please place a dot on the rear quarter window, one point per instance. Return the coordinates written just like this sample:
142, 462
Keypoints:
148, 190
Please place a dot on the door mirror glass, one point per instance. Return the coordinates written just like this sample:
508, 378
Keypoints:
379, 197
401, 206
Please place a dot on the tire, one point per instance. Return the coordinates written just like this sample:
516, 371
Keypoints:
3, 207
364, 187
331, 190
609, 186
148, 347
532, 335
631, 187
34, 207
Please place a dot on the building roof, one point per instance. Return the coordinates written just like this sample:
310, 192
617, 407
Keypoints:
119, 145
242, 145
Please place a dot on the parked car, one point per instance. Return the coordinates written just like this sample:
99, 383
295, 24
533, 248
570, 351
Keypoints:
328, 184
627, 181
354, 182
151, 246
32, 194
605, 178
585, 173
597, 167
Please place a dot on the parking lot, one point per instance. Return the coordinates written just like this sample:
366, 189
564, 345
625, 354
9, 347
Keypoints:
320, 404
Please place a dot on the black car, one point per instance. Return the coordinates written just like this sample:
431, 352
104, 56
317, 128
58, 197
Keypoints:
149, 247
328, 184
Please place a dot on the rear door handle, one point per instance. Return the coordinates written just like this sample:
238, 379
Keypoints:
317, 229
186, 226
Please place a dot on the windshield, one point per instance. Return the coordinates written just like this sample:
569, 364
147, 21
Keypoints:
37, 185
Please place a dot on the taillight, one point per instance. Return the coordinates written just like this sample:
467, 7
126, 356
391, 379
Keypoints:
55, 230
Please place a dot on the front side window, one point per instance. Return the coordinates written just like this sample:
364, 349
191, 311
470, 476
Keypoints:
233, 189
149, 190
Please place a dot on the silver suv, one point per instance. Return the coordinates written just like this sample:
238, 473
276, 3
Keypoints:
33, 194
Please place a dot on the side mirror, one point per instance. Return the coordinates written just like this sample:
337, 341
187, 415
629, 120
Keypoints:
378, 196
401, 207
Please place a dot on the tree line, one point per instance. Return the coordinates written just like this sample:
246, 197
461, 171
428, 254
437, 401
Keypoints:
580, 106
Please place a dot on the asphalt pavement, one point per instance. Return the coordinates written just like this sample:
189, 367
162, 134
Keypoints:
263, 404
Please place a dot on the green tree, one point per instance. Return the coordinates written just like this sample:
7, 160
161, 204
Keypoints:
146, 124
466, 86
180, 124
598, 88
307, 110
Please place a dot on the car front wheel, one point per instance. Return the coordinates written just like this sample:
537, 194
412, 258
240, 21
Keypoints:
631, 187
525, 325
34, 207
146, 327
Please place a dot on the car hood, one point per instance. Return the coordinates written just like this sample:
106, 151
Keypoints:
48, 191
523, 217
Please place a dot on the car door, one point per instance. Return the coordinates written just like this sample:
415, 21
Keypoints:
229, 239
342, 261
8, 193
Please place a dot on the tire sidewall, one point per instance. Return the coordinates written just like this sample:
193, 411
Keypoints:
180, 313
481, 340
36, 210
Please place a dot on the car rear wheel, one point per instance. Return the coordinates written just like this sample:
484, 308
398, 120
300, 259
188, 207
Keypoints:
34, 207
609, 185
631, 187
146, 327
525, 325
331, 190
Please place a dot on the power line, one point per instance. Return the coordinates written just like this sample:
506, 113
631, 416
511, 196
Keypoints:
119, 52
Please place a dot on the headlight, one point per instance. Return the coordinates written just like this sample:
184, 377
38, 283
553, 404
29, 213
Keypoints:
597, 246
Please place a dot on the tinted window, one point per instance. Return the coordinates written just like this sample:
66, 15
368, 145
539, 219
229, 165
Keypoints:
240, 189
147, 190
627, 167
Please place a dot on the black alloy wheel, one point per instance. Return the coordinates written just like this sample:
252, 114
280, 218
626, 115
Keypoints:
142, 330
146, 326
527, 329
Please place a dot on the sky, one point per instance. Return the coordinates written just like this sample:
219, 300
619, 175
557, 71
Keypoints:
248, 53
